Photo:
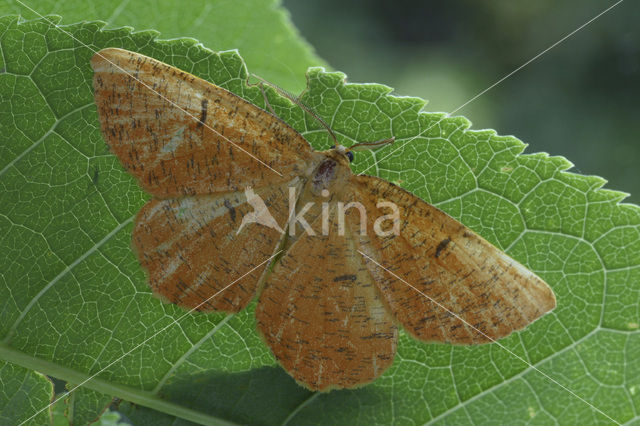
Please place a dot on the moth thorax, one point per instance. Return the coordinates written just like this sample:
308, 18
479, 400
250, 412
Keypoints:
324, 175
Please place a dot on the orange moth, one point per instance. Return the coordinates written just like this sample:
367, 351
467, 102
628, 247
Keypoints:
333, 285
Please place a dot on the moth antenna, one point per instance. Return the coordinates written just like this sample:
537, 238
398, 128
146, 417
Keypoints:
296, 101
266, 100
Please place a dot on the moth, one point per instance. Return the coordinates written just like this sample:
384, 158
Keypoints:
330, 304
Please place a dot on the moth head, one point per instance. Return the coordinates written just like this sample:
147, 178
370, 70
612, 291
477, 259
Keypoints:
343, 151
349, 153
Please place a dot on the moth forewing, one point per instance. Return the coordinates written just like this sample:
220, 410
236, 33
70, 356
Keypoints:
181, 135
441, 280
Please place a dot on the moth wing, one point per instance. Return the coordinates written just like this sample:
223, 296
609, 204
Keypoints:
322, 316
199, 249
181, 135
446, 283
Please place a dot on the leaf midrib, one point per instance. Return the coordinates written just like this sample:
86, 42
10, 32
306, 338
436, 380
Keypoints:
137, 396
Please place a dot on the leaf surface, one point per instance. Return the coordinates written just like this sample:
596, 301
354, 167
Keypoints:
74, 299
22, 392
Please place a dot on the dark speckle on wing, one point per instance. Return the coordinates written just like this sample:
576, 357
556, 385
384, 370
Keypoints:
443, 245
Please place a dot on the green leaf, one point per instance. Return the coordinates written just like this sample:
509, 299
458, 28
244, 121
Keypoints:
85, 406
61, 414
259, 29
74, 299
22, 392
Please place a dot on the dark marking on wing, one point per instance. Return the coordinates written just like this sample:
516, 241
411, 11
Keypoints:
349, 277
232, 210
443, 245
203, 114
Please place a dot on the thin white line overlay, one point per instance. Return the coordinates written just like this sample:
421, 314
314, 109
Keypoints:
154, 91
492, 340
174, 322
448, 115
374, 164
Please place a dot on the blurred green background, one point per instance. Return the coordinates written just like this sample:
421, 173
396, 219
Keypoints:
579, 100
